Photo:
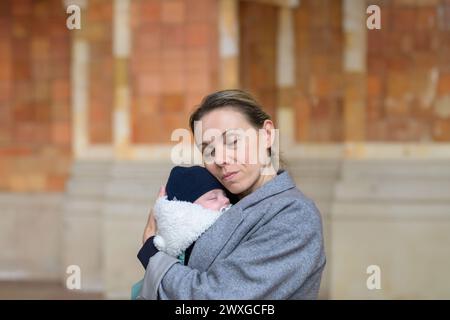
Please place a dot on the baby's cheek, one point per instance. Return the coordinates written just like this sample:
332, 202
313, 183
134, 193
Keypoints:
214, 206
205, 204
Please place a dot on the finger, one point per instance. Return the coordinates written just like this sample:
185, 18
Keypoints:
154, 225
151, 218
162, 191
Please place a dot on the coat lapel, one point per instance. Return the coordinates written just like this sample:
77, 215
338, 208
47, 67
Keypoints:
209, 245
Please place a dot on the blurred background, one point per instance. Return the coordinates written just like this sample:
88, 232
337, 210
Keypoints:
86, 117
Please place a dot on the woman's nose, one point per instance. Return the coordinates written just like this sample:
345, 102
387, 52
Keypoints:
220, 156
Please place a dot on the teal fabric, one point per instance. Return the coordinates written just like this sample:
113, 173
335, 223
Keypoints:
136, 289
181, 258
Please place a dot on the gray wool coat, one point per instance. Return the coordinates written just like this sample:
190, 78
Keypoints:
267, 246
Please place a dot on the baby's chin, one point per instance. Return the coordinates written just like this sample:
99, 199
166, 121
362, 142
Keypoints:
214, 208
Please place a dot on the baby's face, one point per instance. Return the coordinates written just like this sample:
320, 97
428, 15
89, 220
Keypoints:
214, 200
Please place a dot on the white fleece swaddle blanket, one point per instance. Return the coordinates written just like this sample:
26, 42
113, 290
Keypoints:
180, 223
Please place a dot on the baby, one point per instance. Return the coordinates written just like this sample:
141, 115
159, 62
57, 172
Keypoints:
195, 200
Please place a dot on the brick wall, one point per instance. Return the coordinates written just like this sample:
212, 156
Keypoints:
258, 52
408, 72
318, 98
34, 96
173, 64
97, 30
408, 80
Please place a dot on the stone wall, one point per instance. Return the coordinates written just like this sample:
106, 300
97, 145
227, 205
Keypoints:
395, 215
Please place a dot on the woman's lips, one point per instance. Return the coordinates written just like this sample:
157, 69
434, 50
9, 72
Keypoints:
229, 176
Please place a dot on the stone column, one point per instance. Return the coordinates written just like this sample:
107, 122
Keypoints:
354, 67
121, 53
285, 76
81, 228
80, 85
229, 44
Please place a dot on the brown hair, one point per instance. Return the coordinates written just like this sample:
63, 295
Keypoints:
237, 99
240, 100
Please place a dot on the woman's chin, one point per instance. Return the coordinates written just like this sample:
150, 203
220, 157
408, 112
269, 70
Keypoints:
234, 188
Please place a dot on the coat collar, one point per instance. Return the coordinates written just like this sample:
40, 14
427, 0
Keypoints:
281, 182
209, 245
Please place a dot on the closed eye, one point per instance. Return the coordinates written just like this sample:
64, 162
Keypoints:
232, 143
209, 151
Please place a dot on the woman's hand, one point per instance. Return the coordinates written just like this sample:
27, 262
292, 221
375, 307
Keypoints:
150, 228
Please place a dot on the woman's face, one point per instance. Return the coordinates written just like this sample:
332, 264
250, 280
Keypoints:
233, 150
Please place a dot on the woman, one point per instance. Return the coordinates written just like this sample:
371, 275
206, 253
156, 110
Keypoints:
269, 245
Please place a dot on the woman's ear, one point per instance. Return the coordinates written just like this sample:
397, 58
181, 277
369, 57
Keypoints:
269, 132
